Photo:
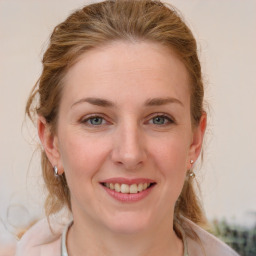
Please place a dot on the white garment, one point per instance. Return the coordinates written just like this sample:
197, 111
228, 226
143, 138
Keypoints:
40, 241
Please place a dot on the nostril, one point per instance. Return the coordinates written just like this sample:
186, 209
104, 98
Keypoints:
128, 165
128, 154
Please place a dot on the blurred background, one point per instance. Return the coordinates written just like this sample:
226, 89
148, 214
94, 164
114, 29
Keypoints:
226, 35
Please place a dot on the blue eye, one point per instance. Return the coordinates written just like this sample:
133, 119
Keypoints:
95, 120
161, 120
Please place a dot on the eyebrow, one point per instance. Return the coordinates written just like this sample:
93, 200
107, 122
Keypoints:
106, 103
95, 101
162, 101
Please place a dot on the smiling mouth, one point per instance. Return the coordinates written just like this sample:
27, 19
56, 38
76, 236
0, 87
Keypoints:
128, 189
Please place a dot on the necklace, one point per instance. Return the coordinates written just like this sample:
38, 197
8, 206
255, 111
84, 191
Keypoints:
64, 251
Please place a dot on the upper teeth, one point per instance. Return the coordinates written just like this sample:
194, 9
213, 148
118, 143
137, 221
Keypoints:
125, 188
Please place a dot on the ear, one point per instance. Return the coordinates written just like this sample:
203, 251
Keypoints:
197, 139
49, 143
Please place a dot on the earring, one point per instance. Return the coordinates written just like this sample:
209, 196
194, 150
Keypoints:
55, 169
191, 174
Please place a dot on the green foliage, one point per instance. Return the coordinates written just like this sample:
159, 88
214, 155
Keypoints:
241, 239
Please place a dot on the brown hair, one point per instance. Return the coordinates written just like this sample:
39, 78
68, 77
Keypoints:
98, 24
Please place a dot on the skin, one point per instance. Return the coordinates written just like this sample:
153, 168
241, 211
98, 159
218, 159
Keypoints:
128, 141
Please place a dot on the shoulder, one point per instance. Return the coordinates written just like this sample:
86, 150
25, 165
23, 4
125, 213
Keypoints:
41, 240
208, 245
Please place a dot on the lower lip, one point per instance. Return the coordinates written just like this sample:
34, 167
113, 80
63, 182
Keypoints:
122, 197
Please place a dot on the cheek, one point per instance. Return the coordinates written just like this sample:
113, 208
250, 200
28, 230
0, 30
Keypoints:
172, 152
171, 158
81, 156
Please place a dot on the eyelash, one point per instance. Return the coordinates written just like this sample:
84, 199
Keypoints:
86, 120
168, 120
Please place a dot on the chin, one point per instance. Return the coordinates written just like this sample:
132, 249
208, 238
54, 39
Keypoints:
129, 223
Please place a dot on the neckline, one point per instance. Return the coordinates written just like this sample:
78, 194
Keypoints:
64, 251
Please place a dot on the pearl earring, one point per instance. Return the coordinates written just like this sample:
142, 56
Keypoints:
191, 174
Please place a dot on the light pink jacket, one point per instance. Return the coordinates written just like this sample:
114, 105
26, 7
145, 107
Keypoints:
40, 241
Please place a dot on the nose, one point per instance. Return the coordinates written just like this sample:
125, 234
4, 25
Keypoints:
129, 149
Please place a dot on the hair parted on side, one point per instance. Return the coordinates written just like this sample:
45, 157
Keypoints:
96, 25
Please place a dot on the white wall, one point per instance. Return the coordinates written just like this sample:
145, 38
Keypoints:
227, 39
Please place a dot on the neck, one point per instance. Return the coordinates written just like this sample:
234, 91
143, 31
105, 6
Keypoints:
91, 240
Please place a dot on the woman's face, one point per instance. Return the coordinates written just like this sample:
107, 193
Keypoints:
124, 124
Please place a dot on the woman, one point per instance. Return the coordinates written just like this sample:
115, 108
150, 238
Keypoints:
120, 117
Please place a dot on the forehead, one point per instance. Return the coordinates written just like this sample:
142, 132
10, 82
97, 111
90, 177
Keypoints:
126, 70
